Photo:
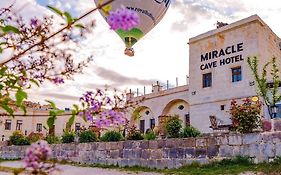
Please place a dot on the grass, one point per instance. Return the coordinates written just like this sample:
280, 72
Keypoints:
5, 160
226, 166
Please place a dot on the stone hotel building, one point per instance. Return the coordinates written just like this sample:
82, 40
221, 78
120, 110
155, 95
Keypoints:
218, 73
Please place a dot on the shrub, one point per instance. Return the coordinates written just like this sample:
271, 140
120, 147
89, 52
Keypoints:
173, 126
34, 137
68, 137
189, 131
245, 117
150, 135
18, 139
134, 134
52, 139
23, 141
87, 136
111, 136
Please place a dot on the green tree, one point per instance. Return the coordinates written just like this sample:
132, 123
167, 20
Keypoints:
267, 89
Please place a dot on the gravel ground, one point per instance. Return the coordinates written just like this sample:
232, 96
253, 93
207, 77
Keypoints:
74, 170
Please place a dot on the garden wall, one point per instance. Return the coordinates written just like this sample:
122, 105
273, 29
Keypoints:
171, 153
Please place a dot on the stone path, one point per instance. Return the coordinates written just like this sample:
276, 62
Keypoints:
73, 170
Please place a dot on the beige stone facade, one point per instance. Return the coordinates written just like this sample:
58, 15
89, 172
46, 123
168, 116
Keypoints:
35, 121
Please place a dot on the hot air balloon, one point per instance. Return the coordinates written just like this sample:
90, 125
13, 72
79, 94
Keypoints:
150, 13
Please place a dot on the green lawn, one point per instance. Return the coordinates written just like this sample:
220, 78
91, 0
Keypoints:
234, 166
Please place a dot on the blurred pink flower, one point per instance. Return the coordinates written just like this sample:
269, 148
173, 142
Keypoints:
123, 19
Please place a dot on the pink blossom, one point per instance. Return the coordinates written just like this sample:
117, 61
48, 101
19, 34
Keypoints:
123, 19
36, 156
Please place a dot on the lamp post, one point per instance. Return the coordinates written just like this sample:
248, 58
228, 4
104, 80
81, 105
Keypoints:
274, 109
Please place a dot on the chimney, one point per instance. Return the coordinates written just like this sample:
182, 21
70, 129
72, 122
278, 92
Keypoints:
156, 88
129, 95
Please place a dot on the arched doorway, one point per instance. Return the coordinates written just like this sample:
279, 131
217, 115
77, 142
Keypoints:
144, 119
178, 107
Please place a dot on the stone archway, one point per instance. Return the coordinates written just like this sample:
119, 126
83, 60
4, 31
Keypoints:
178, 107
144, 118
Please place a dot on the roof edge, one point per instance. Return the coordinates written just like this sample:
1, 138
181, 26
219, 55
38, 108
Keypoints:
249, 19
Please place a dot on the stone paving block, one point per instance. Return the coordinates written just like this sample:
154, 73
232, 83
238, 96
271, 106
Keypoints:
212, 151
236, 151
212, 141
101, 154
189, 153
173, 153
124, 162
127, 153
253, 150
268, 149
156, 154
276, 124
152, 163
145, 154
114, 145
181, 153
245, 150
189, 142
171, 163
251, 138
225, 151
136, 153
101, 146
144, 162
222, 140
201, 142
153, 144
235, 139
161, 164
94, 146
144, 144
128, 145
114, 154
180, 143
278, 149
200, 152
170, 143
161, 144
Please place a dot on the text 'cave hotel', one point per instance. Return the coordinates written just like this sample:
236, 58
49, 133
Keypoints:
218, 73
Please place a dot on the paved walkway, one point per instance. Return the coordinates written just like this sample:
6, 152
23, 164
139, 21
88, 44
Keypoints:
73, 170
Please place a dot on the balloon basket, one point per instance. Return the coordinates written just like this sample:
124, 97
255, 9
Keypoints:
129, 52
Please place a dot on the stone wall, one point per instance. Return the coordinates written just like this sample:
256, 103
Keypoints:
170, 153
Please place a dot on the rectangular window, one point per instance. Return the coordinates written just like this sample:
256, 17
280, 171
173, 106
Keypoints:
152, 123
77, 127
19, 125
236, 74
207, 80
8, 124
187, 120
39, 127
142, 125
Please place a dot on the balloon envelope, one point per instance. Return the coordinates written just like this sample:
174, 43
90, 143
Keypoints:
150, 13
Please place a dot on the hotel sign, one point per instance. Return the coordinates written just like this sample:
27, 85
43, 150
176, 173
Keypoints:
224, 56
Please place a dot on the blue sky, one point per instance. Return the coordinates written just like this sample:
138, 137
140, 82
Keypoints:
161, 55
